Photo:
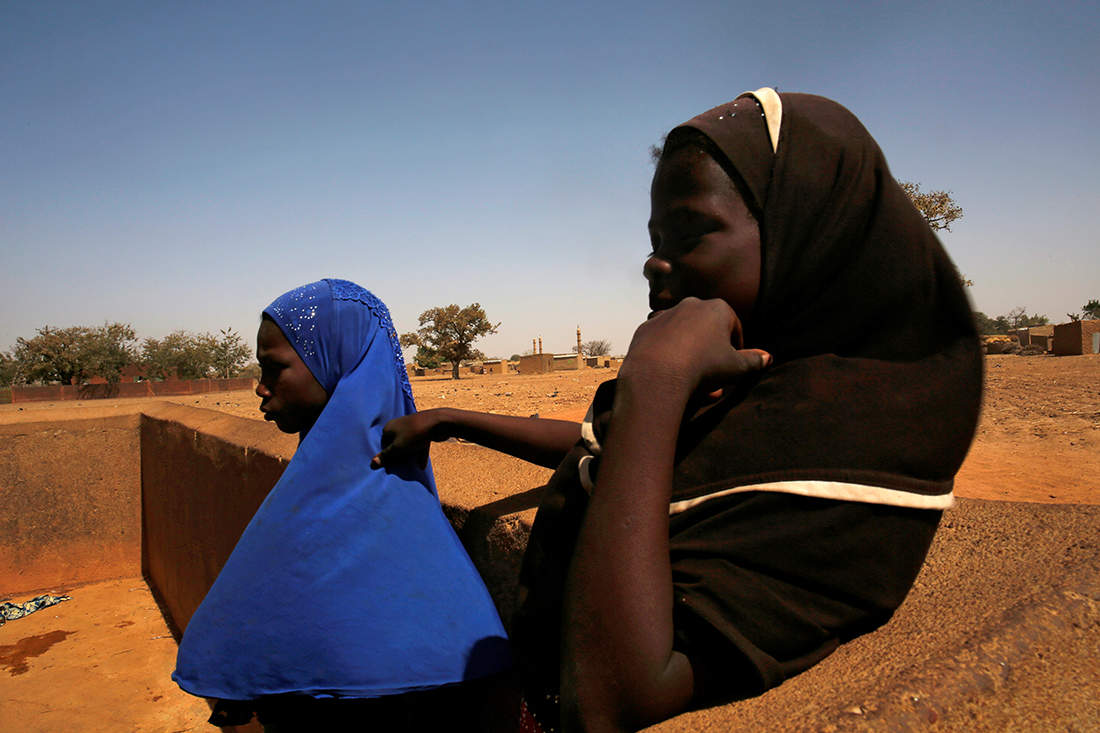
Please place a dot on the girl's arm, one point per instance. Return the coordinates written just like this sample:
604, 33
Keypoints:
619, 670
544, 442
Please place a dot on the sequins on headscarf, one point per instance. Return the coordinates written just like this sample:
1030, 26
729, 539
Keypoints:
298, 312
347, 290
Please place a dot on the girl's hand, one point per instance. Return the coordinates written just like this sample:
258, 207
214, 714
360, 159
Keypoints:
408, 438
690, 347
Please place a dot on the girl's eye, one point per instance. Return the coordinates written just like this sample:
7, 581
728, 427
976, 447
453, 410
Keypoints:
682, 245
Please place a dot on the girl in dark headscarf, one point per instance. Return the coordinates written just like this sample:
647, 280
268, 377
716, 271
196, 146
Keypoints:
764, 478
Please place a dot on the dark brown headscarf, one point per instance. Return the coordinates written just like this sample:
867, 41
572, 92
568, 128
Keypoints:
877, 375
875, 391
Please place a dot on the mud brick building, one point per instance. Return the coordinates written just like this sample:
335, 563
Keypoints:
1077, 337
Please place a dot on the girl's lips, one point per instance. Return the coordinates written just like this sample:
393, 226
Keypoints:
658, 303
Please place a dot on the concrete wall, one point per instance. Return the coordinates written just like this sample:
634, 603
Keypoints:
1040, 331
1075, 337
71, 496
166, 490
536, 364
203, 475
161, 489
1040, 336
566, 362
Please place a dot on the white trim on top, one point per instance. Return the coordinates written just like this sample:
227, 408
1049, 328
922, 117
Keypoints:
773, 112
830, 490
588, 433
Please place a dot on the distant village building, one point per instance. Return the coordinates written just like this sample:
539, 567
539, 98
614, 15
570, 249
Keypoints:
540, 363
1077, 337
536, 364
1040, 336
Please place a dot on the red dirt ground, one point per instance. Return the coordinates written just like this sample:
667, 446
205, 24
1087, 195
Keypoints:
1038, 440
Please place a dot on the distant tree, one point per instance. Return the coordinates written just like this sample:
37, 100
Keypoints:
427, 358
449, 332
52, 355
9, 369
1015, 318
515, 357
230, 353
987, 325
1091, 309
110, 349
194, 355
179, 354
250, 369
72, 355
596, 347
424, 356
1018, 318
937, 207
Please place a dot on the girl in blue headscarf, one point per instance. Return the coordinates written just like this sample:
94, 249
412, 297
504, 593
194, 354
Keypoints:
348, 584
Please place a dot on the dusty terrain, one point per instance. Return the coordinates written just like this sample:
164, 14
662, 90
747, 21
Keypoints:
1038, 440
1039, 436
1011, 583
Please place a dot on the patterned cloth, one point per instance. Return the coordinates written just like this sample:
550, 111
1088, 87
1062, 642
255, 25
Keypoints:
395, 604
10, 611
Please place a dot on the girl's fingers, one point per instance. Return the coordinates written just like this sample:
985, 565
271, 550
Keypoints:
761, 361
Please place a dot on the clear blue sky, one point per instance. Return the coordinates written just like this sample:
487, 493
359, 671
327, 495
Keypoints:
178, 164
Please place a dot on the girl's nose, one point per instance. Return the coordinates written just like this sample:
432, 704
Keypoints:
656, 268
262, 391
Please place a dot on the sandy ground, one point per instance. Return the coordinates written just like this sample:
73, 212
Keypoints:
1038, 440
116, 680
1013, 586
1039, 436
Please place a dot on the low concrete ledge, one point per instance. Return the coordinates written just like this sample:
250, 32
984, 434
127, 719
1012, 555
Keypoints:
101, 492
1001, 632
203, 475
70, 491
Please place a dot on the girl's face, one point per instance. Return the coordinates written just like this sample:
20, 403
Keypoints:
705, 241
291, 395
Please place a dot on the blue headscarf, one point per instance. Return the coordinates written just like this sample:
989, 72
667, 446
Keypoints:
347, 582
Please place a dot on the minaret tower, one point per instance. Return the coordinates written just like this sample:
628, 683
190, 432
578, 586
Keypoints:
580, 357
